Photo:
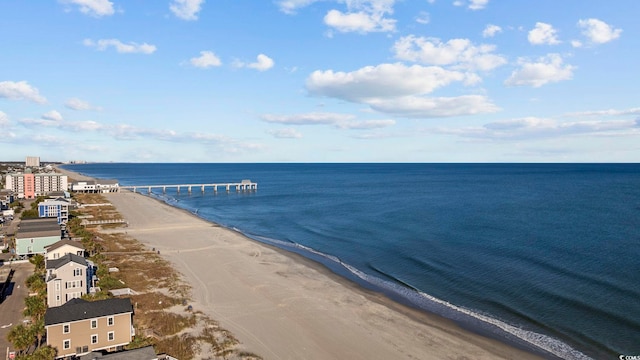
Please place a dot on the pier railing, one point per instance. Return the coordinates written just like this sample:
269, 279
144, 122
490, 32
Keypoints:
244, 185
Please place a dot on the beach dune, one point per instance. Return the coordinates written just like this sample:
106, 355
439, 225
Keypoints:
283, 306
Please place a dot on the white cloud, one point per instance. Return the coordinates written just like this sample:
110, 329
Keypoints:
80, 105
597, 31
287, 133
186, 9
20, 90
385, 80
4, 120
459, 53
576, 43
40, 123
434, 107
543, 34
360, 16
535, 128
546, 70
52, 115
491, 30
263, 63
129, 132
609, 112
366, 124
399, 90
95, 8
473, 4
363, 16
206, 60
307, 118
341, 121
361, 21
290, 6
423, 18
130, 48
478, 4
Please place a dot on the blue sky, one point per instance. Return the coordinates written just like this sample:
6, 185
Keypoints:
320, 80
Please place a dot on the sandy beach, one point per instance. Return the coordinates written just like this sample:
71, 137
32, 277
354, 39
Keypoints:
283, 306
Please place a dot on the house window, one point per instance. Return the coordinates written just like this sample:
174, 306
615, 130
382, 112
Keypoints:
94, 324
66, 344
94, 339
110, 321
77, 272
66, 328
110, 335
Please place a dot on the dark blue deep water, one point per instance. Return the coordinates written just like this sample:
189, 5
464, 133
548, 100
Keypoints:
544, 255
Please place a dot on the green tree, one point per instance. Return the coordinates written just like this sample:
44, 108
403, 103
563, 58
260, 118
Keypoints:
43, 353
36, 306
21, 337
38, 329
38, 261
29, 214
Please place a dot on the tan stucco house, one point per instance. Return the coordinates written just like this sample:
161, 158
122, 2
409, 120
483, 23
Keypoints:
80, 327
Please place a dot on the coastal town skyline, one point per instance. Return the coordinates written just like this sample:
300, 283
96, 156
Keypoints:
319, 81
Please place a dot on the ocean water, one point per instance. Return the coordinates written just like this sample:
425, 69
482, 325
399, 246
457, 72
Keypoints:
544, 256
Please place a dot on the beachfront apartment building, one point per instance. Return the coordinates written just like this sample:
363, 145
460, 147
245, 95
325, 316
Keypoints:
80, 327
28, 185
68, 277
58, 208
34, 235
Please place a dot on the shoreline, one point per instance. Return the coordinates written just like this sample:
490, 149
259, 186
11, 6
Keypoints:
282, 305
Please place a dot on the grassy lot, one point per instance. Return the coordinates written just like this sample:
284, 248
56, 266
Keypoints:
162, 317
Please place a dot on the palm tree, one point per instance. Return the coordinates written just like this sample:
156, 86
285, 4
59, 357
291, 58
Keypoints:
44, 353
38, 329
38, 261
21, 337
36, 284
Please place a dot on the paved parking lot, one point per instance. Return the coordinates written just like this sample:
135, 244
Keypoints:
13, 305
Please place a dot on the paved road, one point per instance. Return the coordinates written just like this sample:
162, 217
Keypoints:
13, 305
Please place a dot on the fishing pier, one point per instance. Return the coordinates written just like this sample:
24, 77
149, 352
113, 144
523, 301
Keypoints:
244, 185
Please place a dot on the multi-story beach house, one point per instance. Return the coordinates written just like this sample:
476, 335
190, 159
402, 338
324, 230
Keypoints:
28, 185
80, 327
35, 235
57, 208
63, 247
68, 277
6, 198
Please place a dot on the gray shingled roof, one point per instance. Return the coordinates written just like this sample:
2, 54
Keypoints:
67, 258
79, 309
61, 243
31, 228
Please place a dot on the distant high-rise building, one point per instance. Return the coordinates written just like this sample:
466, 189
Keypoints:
32, 161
